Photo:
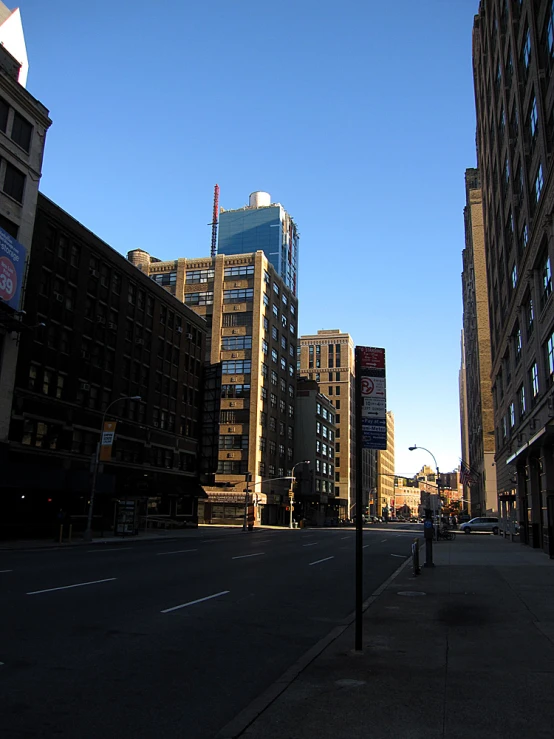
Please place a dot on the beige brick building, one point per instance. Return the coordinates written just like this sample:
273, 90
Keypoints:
252, 322
328, 358
477, 356
385, 472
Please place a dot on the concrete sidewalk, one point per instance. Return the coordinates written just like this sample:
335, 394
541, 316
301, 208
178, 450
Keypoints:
465, 649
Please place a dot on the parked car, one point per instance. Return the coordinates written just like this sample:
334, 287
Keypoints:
480, 524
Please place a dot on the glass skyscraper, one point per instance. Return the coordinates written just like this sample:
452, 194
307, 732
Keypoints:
262, 226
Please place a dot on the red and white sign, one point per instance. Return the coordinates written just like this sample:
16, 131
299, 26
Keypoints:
8, 279
372, 357
373, 387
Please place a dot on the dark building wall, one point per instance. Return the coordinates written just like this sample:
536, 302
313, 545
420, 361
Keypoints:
109, 332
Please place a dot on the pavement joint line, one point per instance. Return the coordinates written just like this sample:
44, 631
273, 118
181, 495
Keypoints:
244, 556
177, 551
6, 570
193, 602
321, 560
238, 725
68, 587
310, 545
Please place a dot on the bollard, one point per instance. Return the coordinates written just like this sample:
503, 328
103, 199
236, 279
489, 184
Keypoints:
70, 532
415, 556
60, 539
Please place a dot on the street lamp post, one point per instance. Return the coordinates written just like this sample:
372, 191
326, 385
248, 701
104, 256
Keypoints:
88, 531
246, 494
429, 540
291, 491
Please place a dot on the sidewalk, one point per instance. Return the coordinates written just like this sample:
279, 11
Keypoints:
159, 535
464, 650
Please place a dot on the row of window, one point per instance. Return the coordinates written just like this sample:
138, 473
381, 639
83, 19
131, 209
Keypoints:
325, 414
21, 130
324, 468
282, 428
272, 419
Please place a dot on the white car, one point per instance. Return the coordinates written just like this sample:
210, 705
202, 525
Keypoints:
480, 524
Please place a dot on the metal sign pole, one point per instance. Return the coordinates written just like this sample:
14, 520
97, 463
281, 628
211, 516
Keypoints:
358, 639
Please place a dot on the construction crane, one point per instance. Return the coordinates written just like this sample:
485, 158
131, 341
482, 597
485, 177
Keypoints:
213, 224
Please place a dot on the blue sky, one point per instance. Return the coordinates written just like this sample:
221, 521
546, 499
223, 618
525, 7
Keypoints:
357, 116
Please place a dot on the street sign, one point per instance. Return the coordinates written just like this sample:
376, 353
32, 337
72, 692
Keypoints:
371, 397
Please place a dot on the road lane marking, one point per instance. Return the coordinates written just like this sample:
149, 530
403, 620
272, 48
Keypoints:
176, 551
67, 587
382, 540
6, 570
243, 556
193, 602
344, 537
365, 546
320, 560
90, 551
403, 556
262, 541
310, 545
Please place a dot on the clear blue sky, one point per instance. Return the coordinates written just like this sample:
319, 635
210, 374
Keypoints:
357, 116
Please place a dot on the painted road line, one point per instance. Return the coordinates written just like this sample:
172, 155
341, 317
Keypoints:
90, 551
313, 544
320, 560
344, 537
176, 551
6, 570
67, 587
382, 540
403, 556
365, 546
262, 541
193, 602
244, 556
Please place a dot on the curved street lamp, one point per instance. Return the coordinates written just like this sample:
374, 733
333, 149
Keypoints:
87, 536
411, 449
291, 491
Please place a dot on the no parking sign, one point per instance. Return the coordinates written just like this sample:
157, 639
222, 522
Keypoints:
12, 264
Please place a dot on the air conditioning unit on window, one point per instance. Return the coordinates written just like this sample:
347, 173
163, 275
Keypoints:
232, 379
230, 429
59, 297
101, 320
189, 337
93, 273
139, 342
85, 354
234, 331
232, 404
234, 355
179, 329
229, 455
112, 326
85, 386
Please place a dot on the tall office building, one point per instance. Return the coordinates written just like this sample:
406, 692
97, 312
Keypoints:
251, 316
24, 122
385, 472
480, 416
464, 414
328, 358
262, 226
513, 62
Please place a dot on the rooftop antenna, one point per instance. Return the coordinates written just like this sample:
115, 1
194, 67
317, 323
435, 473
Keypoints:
213, 224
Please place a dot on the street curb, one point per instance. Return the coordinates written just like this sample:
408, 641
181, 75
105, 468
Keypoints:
238, 725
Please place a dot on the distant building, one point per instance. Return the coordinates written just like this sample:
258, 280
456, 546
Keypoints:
477, 355
315, 441
407, 497
266, 226
252, 320
24, 122
328, 358
385, 472
100, 330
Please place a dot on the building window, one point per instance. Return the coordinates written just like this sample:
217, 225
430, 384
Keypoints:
276, 288
273, 400
534, 377
262, 443
236, 391
533, 118
550, 357
266, 324
275, 311
274, 356
229, 343
527, 49
283, 365
273, 377
539, 182
266, 277
514, 276
244, 318
236, 367
245, 270
274, 334
4, 110
238, 296
21, 131
525, 236
522, 407
272, 423
530, 317
518, 344
14, 183
546, 280
265, 347
265, 369
266, 300
233, 442
199, 275
512, 415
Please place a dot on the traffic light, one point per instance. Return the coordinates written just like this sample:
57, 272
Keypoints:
287, 508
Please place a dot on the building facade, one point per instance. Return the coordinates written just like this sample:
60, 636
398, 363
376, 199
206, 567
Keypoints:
464, 413
24, 123
385, 473
477, 354
328, 358
262, 226
407, 497
102, 332
252, 320
513, 62
315, 442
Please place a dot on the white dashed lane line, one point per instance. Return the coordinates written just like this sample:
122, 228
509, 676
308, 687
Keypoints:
320, 560
176, 551
244, 556
68, 587
193, 602
382, 541
310, 545
6, 570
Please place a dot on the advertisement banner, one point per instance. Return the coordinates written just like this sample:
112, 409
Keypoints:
108, 435
12, 268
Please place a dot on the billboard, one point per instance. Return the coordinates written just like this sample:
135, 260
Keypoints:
12, 268
371, 396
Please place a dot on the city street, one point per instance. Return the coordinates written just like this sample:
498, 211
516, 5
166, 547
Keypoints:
171, 639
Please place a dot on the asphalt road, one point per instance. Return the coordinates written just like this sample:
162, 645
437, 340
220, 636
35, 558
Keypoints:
170, 639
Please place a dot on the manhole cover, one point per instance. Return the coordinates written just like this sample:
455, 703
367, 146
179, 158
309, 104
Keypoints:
411, 593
